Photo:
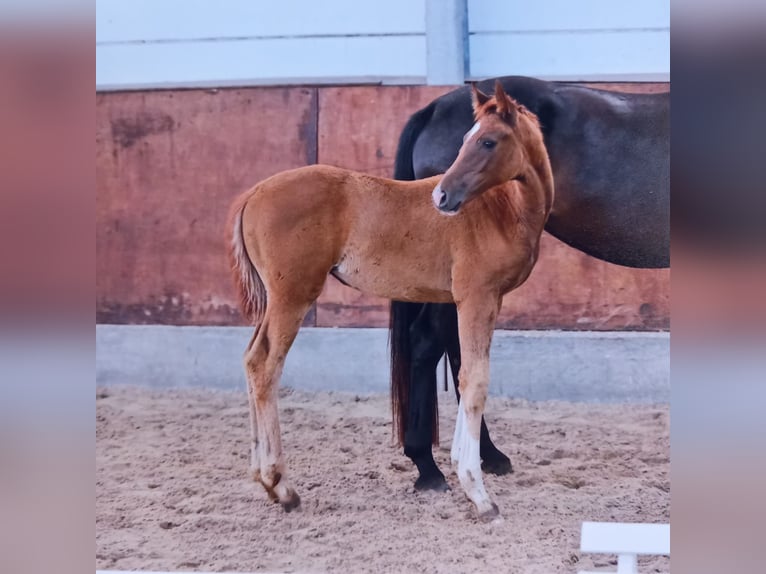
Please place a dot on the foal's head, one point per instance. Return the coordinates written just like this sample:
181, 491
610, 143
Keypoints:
493, 150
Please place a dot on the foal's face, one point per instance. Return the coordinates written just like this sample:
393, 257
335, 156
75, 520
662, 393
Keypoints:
491, 154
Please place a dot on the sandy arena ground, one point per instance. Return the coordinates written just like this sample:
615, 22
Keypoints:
172, 491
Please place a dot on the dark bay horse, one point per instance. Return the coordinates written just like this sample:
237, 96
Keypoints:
467, 238
610, 157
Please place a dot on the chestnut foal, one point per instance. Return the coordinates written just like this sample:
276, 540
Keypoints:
393, 239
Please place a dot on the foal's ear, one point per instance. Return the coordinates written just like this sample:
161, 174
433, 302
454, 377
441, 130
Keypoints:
478, 98
507, 108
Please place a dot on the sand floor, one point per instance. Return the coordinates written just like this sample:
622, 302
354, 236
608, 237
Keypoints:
172, 488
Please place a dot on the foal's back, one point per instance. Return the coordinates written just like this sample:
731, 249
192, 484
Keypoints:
365, 230
380, 236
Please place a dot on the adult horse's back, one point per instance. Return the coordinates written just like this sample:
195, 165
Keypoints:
610, 157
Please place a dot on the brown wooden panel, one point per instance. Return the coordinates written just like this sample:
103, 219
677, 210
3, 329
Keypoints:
167, 166
359, 128
341, 306
570, 290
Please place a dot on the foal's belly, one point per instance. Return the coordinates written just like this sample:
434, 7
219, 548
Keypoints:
417, 282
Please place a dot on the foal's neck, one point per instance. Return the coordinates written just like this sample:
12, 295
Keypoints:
537, 176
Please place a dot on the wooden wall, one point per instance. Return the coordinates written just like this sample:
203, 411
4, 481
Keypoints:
169, 162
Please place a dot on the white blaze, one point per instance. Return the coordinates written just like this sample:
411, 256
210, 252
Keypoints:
436, 195
470, 133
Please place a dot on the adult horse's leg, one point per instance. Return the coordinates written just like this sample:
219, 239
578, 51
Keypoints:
430, 329
427, 349
476, 320
264, 360
492, 460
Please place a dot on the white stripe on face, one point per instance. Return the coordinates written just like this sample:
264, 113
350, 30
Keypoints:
470, 133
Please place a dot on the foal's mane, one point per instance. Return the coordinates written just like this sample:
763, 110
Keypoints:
490, 107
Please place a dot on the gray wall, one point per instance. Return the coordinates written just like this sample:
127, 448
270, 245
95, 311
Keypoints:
532, 365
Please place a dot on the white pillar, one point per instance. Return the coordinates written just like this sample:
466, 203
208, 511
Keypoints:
446, 41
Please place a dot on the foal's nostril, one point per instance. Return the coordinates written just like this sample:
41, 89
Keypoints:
443, 200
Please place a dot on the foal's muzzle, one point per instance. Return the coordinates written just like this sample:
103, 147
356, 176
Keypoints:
444, 203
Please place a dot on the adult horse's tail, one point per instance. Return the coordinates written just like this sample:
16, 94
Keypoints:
252, 292
403, 314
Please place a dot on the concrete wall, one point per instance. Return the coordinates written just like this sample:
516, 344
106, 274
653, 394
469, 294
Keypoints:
169, 162
532, 365
180, 43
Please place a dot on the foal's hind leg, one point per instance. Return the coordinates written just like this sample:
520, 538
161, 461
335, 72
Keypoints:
263, 362
255, 459
492, 459
476, 318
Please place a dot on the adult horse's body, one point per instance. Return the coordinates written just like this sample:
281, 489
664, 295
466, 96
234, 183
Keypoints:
385, 237
610, 158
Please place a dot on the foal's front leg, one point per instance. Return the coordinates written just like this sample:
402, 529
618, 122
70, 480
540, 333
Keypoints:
476, 323
492, 459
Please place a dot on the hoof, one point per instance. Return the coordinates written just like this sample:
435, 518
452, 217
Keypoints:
433, 482
273, 497
292, 502
490, 515
255, 474
271, 492
499, 466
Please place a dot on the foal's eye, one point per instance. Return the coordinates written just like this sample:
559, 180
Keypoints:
488, 144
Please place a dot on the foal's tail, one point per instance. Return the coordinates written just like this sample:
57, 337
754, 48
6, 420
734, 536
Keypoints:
252, 292
403, 314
